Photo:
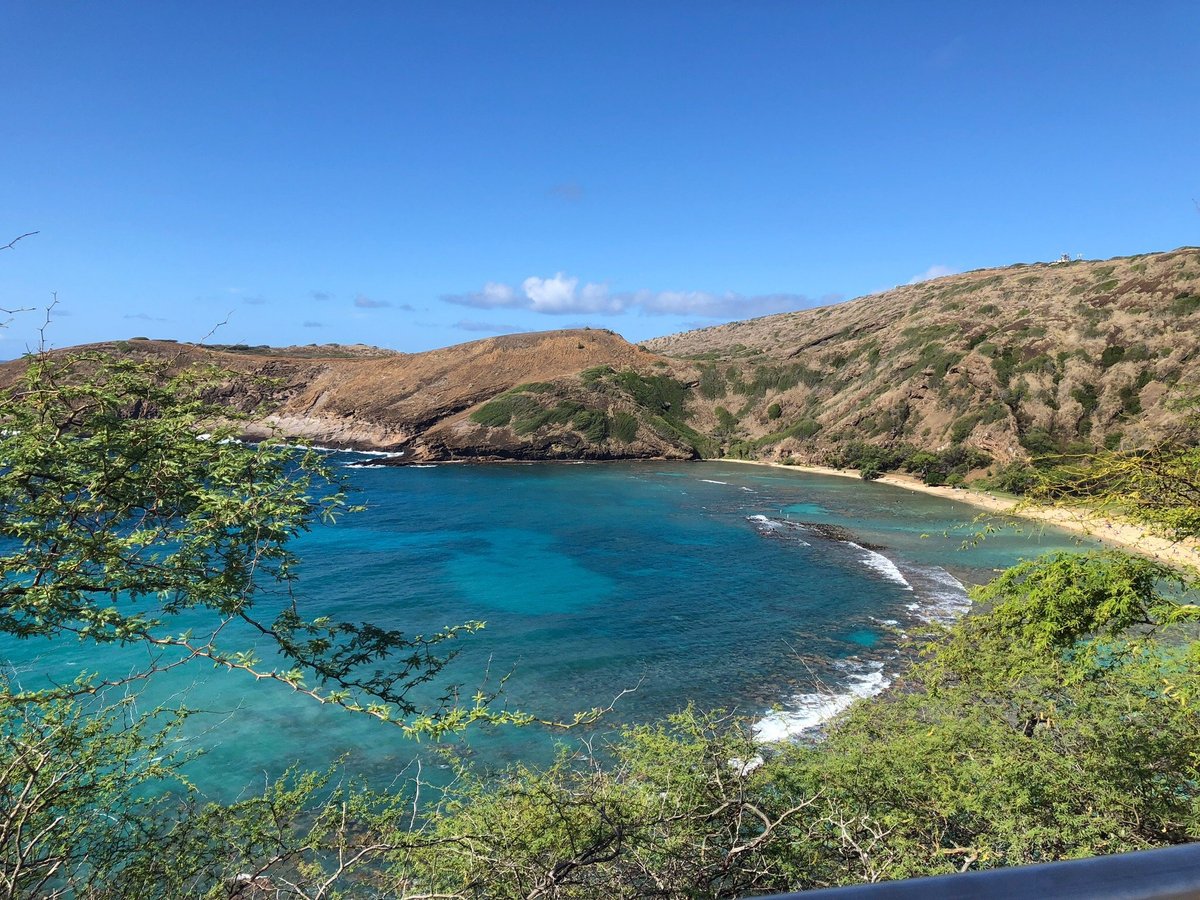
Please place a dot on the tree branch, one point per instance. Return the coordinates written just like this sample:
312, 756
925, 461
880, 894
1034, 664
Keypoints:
21, 237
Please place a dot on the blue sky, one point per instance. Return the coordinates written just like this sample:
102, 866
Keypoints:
419, 174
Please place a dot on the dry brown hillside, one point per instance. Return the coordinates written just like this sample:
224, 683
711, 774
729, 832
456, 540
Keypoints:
1015, 361
431, 405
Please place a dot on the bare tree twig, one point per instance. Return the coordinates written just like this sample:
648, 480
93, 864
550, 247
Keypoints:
46, 323
9, 245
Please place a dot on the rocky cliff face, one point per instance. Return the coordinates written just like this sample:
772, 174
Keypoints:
1016, 361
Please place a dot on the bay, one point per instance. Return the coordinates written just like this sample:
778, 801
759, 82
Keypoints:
775, 594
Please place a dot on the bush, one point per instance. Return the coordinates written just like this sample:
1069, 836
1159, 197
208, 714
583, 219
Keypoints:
1087, 397
712, 383
500, 412
1112, 355
726, 421
774, 411
938, 468
1131, 401
1185, 304
531, 419
1039, 442
592, 424
804, 429
1015, 478
624, 427
963, 426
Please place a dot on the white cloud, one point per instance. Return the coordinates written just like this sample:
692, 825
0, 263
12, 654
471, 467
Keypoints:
937, 270
561, 294
550, 295
500, 295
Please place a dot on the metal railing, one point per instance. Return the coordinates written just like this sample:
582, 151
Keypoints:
1170, 873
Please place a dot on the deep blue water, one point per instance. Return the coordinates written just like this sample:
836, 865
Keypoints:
691, 582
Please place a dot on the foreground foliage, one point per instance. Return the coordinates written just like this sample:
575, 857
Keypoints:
1063, 722
130, 515
1054, 726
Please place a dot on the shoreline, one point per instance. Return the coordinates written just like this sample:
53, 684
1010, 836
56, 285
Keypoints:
1107, 530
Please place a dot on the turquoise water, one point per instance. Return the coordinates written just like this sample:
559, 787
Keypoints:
698, 582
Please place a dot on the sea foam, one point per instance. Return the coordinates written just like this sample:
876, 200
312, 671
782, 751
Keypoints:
944, 595
804, 712
884, 566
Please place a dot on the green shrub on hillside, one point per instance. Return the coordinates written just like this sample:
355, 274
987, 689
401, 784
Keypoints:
596, 374
1112, 355
1131, 401
527, 422
1087, 397
624, 427
499, 412
776, 379
804, 429
712, 383
531, 387
933, 357
1185, 304
592, 424
1039, 442
1004, 362
726, 421
962, 427
660, 394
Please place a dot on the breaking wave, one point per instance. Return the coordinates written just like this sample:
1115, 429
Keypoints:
943, 597
806, 711
877, 562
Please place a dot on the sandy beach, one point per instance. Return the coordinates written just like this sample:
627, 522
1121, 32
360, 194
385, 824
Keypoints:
1112, 532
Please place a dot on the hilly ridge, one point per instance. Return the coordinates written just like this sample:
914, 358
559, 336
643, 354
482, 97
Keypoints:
1020, 361
988, 366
